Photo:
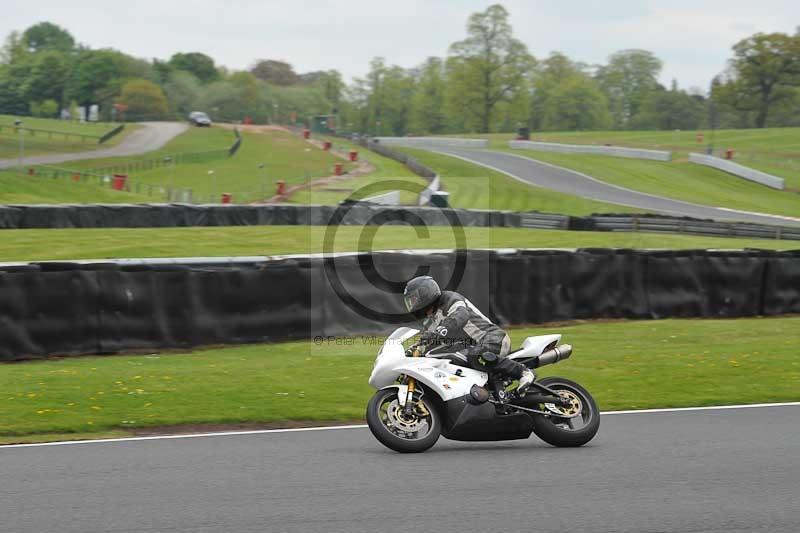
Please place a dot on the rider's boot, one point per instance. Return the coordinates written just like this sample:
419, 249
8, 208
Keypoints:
517, 371
525, 380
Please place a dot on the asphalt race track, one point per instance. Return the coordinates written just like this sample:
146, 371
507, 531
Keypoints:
578, 184
149, 136
731, 470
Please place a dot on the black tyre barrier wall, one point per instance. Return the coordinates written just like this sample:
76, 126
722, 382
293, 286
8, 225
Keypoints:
360, 213
71, 309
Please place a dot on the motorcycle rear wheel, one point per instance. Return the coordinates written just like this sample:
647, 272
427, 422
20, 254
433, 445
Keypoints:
399, 432
570, 432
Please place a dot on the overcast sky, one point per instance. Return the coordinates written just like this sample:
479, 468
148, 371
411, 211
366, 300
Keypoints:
692, 37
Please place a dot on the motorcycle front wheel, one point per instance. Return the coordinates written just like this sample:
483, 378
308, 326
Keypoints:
401, 431
584, 419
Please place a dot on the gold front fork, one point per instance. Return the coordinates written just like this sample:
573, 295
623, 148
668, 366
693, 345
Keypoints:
411, 382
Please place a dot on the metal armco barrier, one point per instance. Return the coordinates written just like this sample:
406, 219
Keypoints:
410, 162
71, 308
544, 221
181, 215
617, 151
693, 227
389, 198
427, 142
738, 170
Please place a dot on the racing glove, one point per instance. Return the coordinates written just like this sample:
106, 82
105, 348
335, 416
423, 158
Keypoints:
429, 338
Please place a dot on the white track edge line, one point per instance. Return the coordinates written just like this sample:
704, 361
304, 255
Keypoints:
362, 426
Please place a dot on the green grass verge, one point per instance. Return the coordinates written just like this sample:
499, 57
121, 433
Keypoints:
38, 143
626, 365
100, 243
23, 189
676, 179
66, 126
385, 170
284, 156
476, 187
772, 150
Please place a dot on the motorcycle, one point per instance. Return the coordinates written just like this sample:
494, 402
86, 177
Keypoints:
420, 398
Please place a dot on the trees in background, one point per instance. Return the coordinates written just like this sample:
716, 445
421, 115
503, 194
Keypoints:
565, 97
672, 109
47, 36
428, 102
47, 77
275, 72
383, 99
143, 99
763, 76
627, 80
199, 65
488, 82
487, 71
44, 70
183, 90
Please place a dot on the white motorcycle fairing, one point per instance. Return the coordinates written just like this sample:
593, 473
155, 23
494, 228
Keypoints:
533, 346
449, 381
422, 398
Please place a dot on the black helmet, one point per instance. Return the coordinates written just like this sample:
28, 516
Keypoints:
420, 293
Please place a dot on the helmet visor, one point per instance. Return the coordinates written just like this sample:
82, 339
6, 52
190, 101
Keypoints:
412, 301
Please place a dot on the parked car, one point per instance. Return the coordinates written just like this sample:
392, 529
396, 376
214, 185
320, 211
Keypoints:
198, 118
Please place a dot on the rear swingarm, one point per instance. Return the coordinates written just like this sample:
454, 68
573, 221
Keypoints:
534, 411
538, 398
543, 388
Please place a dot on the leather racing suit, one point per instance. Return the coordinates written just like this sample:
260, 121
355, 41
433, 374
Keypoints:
462, 333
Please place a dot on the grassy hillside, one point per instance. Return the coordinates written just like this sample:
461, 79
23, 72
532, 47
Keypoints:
53, 244
677, 179
772, 150
384, 170
41, 142
23, 189
283, 156
626, 365
476, 187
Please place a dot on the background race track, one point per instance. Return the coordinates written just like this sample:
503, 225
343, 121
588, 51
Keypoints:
726, 470
148, 137
572, 182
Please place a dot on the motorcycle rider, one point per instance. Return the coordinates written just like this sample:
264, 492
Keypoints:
461, 331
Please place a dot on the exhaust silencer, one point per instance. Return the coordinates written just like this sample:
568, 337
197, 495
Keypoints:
559, 353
